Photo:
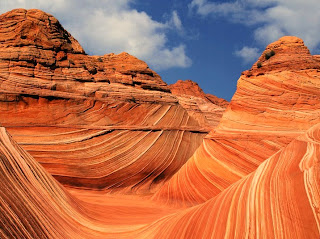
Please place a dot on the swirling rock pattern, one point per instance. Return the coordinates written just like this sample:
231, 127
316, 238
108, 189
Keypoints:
280, 199
131, 160
91, 125
103, 122
273, 104
34, 205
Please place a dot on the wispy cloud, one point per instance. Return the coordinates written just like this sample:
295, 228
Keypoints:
204, 8
175, 21
114, 26
271, 18
248, 54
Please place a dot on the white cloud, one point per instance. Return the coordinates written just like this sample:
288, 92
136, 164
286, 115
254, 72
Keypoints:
203, 7
175, 21
248, 54
178, 53
271, 18
114, 26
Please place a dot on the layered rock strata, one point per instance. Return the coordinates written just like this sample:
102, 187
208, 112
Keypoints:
280, 199
34, 205
102, 122
255, 176
272, 106
207, 109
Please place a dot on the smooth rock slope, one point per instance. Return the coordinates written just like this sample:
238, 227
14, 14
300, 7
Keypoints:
272, 106
280, 199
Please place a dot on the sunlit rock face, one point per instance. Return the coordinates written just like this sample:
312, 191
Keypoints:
34, 205
207, 109
280, 199
103, 122
101, 147
273, 104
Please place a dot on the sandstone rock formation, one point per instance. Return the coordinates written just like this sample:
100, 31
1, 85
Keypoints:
86, 126
104, 122
206, 108
288, 53
270, 108
34, 205
280, 199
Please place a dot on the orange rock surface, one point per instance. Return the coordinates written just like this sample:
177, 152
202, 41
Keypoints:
280, 199
103, 122
34, 205
207, 109
270, 108
101, 148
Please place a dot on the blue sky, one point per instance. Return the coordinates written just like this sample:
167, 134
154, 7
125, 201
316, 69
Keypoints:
210, 42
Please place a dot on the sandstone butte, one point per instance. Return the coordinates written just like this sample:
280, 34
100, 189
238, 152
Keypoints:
206, 108
255, 175
101, 122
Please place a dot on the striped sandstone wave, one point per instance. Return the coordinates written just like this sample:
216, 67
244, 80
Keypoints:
272, 106
280, 199
102, 122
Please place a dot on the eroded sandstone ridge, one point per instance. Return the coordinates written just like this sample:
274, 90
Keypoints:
256, 175
280, 199
206, 108
104, 122
273, 104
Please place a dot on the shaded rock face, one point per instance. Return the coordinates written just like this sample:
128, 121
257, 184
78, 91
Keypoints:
207, 109
118, 120
273, 105
190, 88
187, 87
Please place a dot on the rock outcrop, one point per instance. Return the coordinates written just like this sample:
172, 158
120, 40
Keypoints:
103, 122
34, 45
288, 53
86, 126
207, 109
266, 113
